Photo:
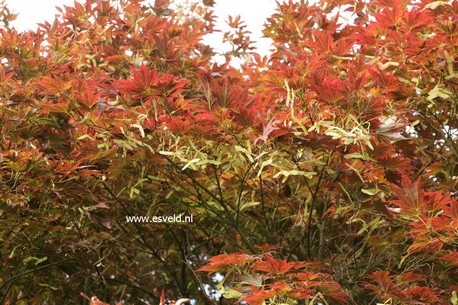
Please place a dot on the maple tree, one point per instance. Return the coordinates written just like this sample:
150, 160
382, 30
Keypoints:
323, 173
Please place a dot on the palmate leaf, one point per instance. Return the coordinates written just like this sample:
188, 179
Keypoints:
222, 261
413, 201
334, 291
417, 20
425, 244
267, 130
273, 266
301, 293
390, 16
332, 89
285, 150
146, 82
409, 197
61, 106
53, 86
389, 130
259, 296
424, 295
248, 117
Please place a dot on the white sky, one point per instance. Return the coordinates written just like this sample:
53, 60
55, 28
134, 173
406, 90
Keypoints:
253, 12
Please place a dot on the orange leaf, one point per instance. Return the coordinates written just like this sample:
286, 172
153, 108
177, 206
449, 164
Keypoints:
273, 266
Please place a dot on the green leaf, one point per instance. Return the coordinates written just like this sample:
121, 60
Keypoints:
48, 286
140, 129
249, 205
439, 91
245, 151
166, 153
190, 163
40, 260
454, 298
86, 136
205, 162
294, 172
36, 259
374, 223
389, 64
370, 192
436, 4
357, 156
264, 164
230, 293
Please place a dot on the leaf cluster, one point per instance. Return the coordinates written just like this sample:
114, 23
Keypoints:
340, 149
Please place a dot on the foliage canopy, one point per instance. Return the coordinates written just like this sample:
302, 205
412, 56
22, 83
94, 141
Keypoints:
325, 173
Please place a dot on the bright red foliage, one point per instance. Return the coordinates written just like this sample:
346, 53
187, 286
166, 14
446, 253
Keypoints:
338, 151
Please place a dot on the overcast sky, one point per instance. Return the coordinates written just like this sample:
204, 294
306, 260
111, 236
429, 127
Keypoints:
254, 12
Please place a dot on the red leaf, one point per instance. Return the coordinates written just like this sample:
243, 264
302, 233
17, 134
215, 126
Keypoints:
334, 291
162, 300
452, 258
259, 295
408, 196
413, 201
425, 244
423, 295
301, 293
53, 86
54, 107
273, 266
220, 262
147, 82
408, 277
